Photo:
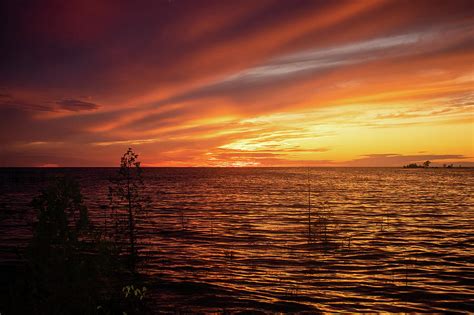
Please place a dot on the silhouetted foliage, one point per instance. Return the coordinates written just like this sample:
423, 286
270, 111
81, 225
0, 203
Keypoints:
66, 268
128, 200
426, 164
62, 215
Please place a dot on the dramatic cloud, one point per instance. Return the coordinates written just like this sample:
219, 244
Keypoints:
76, 105
9, 101
219, 83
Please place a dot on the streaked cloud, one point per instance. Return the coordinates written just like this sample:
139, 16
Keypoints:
68, 104
237, 83
76, 105
317, 59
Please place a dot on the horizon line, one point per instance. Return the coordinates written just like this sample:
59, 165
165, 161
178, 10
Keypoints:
237, 167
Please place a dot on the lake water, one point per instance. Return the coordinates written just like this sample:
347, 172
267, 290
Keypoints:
236, 238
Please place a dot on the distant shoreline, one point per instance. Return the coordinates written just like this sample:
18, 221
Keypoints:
234, 167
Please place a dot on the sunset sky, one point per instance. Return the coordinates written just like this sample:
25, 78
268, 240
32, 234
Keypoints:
237, 83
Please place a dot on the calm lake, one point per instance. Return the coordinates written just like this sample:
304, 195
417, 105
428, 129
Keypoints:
236, 238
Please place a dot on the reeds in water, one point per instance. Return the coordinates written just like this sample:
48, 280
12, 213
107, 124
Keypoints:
323, 228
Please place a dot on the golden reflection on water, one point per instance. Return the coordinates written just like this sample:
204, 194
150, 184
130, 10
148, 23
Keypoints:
404, 237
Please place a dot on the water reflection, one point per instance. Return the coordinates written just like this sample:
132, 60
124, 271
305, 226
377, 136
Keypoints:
243, 232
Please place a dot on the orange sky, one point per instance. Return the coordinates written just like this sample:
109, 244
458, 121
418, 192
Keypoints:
237, 83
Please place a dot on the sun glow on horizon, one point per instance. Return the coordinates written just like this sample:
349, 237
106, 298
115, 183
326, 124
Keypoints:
310, 85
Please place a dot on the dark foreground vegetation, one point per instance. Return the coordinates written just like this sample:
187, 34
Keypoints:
73, 267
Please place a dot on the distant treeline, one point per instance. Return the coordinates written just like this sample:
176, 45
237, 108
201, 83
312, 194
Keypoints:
427, 164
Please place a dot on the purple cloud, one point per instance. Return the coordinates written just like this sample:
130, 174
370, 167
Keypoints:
76, 105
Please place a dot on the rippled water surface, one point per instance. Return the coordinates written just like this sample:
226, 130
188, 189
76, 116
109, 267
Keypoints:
400, 239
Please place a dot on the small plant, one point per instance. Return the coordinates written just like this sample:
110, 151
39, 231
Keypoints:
130, 301
229, 254
128, 200
183, 220
325, 228
133, 299
322, 226
134, 293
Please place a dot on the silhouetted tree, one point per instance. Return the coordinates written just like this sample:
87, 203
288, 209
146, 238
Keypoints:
426, 164
68, 269
60, 275
62, 215
128, 200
